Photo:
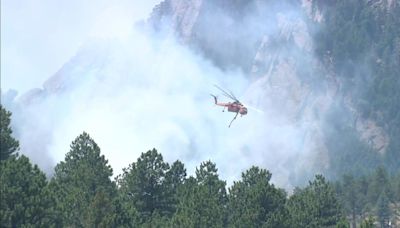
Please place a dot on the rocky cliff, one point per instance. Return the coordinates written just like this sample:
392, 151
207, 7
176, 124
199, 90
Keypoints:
272, 43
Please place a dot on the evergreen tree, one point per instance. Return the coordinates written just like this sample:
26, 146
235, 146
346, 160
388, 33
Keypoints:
314, 206
379, 183
8, 144
396, 187
254, 202
359, 41
174, 180
143, 186
98, 214
82, 188
351, 196
24, 199
187, 214
157, 221
367, 223
383, 210
203, 200
343, 223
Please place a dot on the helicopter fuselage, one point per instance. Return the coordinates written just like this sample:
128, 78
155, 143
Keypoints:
234, 107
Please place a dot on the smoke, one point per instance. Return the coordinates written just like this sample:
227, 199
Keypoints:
133, 91
39, 36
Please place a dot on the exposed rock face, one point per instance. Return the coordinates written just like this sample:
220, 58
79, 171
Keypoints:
91, 56
271, 43
315, 14
296, 86
373, 134
181, 16
289, 90
369, 131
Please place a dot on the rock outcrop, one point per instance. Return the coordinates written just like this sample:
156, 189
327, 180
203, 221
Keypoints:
297, 87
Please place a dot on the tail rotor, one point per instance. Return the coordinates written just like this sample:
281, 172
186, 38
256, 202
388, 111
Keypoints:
215, 98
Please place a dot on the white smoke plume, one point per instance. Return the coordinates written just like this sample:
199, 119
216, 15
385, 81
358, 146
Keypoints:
133, 91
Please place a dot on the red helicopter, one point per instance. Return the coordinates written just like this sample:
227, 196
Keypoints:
235, 106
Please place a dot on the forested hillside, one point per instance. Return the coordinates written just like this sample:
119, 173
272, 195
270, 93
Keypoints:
332, 63
153, 193
325, 76
360, 42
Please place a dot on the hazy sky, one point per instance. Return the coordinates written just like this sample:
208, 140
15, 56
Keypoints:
38, 36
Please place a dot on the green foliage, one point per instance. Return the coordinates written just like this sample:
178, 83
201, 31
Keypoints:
254, 202
367, 223
372, 195
8, 144
203, 200
23, 194
151, 193
396, 185
343, 223
314, 206
98, 214
360, 40
82, 188
383, 210
157, 221
352, 194
348, 153
174, 180
379, 184
150, 186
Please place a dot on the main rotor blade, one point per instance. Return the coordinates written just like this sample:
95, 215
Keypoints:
230, 92
227, 94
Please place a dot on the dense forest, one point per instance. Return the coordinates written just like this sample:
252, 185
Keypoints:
153, 193
360, 42
357, 40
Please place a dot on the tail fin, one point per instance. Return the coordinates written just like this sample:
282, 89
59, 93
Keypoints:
215, 98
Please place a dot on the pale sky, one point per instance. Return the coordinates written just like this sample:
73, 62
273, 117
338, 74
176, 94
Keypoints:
39, 36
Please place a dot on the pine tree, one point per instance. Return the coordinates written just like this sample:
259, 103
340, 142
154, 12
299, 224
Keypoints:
351, 197
24, 199
314, 206
174, 180
367, 223
254, 202
8, 145
379, 183
203, 201
82, 188
143, 186
383, 210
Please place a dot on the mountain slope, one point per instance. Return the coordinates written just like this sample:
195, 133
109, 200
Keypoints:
151, 89
286, 49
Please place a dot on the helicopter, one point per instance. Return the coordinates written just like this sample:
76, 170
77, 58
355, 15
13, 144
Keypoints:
235, 106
